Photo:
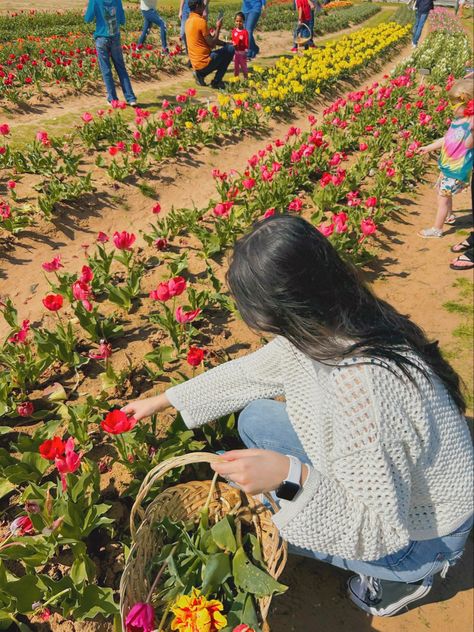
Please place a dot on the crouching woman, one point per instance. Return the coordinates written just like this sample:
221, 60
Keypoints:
370, 455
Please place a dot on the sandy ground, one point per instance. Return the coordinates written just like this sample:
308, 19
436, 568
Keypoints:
410, 272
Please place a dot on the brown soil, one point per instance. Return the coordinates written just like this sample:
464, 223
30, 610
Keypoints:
411, 273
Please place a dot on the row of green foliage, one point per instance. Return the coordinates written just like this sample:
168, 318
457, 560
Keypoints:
404, 15
277, 17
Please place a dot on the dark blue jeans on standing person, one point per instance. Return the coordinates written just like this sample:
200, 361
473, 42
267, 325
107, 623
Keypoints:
153, 17
418, 27
220, 60
251, 20
110, 49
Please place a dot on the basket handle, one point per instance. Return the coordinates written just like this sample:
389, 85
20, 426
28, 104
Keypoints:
158, 472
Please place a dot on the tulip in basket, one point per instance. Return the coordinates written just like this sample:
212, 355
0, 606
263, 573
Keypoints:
205, 557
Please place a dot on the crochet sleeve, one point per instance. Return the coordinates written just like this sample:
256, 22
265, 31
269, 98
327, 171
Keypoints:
359, 511
230, 386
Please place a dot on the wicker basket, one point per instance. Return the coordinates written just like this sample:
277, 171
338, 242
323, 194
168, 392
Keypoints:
184, 502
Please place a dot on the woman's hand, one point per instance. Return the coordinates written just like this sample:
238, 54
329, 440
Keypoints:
254, 470
141, 408
423, 150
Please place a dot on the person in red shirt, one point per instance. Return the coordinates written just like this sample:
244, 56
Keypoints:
240, 40
304, 8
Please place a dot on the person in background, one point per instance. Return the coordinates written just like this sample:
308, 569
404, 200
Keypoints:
305, 10
252, 9
151, 16
369, 456
240, 40
456, 159
109, 16
200, 44
422, 9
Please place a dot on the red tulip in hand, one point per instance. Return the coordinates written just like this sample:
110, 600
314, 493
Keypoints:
116, 422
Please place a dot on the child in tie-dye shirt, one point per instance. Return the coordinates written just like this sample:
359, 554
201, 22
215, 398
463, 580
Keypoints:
456, 159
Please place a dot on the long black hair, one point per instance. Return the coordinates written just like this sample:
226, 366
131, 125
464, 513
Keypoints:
287, 279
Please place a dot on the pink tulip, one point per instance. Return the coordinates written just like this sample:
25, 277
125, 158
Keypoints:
340, 222
102, 238
104, 351
176, 286
162, 292
87, 117
43, 138
141, 618
248, 184
69, 463
269, 213
295, 205
25, 409
53, 265
82, 292
326, 229
21, 526
86, 275
368, 227
20, 336
186, 317
124, 240
371, 202
222, 209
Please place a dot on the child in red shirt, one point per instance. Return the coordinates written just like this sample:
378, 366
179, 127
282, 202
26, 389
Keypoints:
304, 8
240, 40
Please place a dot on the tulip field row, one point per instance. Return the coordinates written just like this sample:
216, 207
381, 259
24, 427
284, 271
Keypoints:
126, 151
30, 66
345, 175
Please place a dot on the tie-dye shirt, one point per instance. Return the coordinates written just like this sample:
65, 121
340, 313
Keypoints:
456, 158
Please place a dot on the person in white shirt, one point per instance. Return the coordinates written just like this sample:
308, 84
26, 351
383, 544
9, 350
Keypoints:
370, 455
150, 17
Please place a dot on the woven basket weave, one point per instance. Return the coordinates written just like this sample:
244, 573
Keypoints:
184, 502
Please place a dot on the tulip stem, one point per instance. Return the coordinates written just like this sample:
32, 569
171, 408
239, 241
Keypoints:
158, 577
164, 617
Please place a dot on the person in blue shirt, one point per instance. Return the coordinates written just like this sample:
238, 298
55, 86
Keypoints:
252, 9
109, 16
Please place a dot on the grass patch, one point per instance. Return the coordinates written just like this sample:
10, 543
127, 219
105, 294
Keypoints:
147, 190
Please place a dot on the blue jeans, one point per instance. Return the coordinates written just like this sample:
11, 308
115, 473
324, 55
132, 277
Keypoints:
220, 60
265, 424
184, 17
251, 20
153, 17
418, 27
109, 49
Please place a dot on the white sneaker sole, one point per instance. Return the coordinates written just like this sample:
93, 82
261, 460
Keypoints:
393, 608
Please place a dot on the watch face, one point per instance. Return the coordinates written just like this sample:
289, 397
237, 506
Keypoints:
287, 490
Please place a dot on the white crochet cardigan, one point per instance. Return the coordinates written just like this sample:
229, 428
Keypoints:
391, 462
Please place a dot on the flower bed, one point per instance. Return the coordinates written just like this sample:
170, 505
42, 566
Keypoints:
126, 150
345, 175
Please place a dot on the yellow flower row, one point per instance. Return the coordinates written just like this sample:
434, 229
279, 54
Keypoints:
317, 66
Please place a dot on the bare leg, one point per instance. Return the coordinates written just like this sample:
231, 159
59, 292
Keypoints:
445, 207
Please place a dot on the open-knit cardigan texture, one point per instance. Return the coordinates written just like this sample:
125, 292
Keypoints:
391, 460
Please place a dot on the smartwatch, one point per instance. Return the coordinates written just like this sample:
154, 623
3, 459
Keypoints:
291, 485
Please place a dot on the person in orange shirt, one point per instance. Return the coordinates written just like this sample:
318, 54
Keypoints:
201, 44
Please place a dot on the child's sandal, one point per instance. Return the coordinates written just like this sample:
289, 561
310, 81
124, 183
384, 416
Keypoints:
431, 233
450, 220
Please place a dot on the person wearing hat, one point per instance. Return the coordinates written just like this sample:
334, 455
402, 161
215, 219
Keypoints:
201, 44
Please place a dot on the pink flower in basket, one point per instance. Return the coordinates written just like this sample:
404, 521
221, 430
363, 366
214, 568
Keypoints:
141, 618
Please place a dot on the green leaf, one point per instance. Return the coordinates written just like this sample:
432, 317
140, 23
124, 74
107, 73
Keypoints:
26, 591
6, 487
256, 548
223, 535
251, 579
5, 429
82, 569
216, 571
94, 601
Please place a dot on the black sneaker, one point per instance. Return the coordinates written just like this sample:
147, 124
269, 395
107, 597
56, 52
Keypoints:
199, 80
384, 598
218, 85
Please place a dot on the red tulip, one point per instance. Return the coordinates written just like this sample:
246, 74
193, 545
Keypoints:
11, 184
117, 422
162, 292
186, 317
113, 151
4, 129
295, 205
269, 213
22, 526
141, 618
54, 264
124, 240
326, 229
195, 356
161, 244
102, 238
243, 627
53, 302
43, 138
25, 409
52, 448
156, 209
248, 184
136, 149
371, 202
